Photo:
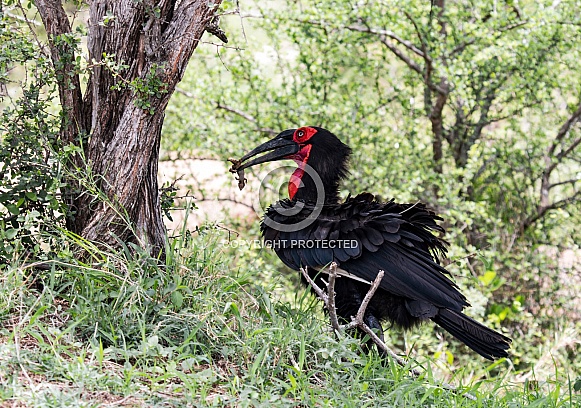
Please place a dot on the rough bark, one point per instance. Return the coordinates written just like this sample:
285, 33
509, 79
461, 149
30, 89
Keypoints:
75, 121
155, 40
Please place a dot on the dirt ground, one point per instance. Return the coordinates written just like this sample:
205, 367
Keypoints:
211, 187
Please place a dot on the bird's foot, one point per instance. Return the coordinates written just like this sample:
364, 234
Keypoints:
357, 321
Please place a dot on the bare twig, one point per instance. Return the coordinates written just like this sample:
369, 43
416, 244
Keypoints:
22, 18
331, 297
368, 30
552, 160
560, 183
225, 199
238, 112
340, 272
384, 36
357, 321
471, 269
32, 31
230, 231
563, 130
460, 47
214, 28
387, 33
567, 151
315, 287
369, 295
398, 53
230, 47
235, 111
425, 55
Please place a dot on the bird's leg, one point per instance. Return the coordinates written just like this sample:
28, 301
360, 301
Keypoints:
358, 320
373, 323
370, 322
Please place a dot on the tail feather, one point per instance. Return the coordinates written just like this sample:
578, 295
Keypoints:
486, 342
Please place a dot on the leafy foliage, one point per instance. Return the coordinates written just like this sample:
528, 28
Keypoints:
472, 108
149, 87
495, 82
193, 332
30, 176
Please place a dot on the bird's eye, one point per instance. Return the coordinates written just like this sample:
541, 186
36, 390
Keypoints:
300, 133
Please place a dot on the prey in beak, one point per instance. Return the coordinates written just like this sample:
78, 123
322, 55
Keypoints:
279, 148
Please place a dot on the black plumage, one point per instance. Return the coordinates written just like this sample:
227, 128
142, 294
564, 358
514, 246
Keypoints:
364, 235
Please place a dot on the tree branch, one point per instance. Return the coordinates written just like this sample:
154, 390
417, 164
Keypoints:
551, 162
331, 296
320, 293
356, 321
542, 211
565, 152
182, 34
424, 54
398, 53
561, 183
369, 30
384, 37
462, 46
56, 23
238, 112
435, 110
483, 167
386, 33
463, 143
563, 130
437, 121
226, 199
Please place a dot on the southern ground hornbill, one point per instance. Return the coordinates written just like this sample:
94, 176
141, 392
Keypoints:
361, 235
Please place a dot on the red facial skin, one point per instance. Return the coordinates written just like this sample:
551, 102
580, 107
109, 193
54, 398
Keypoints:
301, 136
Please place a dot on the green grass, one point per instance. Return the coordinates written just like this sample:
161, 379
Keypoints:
196, 331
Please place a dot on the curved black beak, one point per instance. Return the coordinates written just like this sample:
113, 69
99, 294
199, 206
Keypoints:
279, 148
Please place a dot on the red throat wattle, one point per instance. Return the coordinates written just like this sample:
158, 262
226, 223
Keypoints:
300, 158
301, 136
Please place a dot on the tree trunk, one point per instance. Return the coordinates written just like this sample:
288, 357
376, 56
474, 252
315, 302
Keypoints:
138, 52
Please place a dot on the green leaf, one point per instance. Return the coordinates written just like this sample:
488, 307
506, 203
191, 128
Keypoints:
11, 233
31, 196
13, 209
177, 299
37, 314
487, 278
577, 385
503, 314
449, 357
153, 341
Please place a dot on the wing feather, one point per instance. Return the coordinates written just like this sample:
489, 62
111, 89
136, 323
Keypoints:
397, 238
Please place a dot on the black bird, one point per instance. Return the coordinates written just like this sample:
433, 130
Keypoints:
363, 235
